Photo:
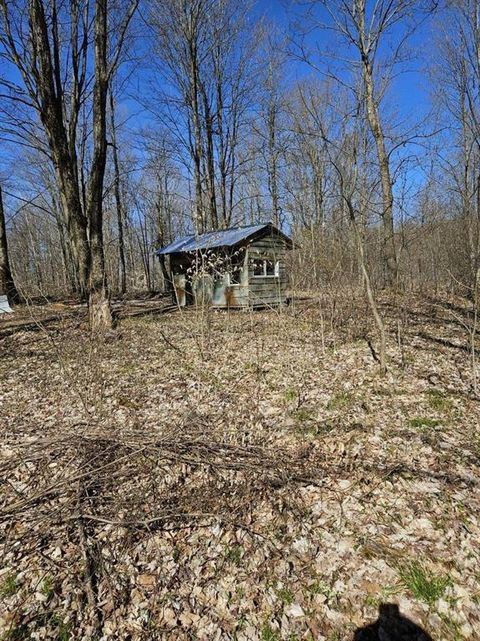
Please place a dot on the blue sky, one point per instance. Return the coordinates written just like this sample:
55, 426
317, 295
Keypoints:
410, 92
408, 98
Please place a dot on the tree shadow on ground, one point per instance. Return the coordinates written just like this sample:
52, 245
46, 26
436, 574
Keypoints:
391, 625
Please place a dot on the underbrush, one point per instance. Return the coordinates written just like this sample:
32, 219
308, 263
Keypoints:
234, 477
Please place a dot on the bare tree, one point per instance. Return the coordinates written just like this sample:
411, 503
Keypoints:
180, 34
272, 115
458, 89
207, 56
349, 182
350, 156
366, 29
57, 85
7, 284
117, 189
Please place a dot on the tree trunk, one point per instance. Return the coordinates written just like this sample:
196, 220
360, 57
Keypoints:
272, 170
389, 247
198, 147
7, 284
40, 48
164, 236
371, 299
99, 303
222, 163
118, 201
48, 94
210, 166
77, 232
67, 256
367, 282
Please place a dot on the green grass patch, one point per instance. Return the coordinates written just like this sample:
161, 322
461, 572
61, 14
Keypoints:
452, 626
234, 555
62, 630
9, 586
47, 588
286, 596
303, 414
423, 422
269, 634
17, 633
340, 401
306, 422
236, 596
439, 401
319, 587
384, 595
422, 583
290, 395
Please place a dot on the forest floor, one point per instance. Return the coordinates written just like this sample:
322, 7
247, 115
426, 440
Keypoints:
248, 476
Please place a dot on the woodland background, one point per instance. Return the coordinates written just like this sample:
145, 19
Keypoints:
263, 475
352, 126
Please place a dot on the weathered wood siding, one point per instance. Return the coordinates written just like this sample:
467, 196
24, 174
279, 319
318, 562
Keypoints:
251, 291
267, 290
234, 295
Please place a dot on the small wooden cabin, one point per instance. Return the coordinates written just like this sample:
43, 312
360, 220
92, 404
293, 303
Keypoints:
237, 267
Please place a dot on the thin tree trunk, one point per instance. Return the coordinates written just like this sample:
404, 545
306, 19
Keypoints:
198, 148
67, 259
118, 201
70, 268
209, 161
272, 170
347, 200
99, 303
222, 164
375, 124
371, 298
48, 88
7, 284
389, 247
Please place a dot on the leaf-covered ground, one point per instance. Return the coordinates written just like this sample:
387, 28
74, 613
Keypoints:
246, 476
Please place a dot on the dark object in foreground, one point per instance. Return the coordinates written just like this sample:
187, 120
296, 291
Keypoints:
391, 625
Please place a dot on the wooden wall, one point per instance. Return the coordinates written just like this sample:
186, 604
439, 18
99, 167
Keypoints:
252, 291
267, 290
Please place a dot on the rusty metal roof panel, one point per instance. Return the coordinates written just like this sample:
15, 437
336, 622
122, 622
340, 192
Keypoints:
220, 238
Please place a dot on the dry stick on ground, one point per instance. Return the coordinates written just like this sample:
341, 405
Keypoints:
169, 343
372, 350
273, 469
195, 452
90, 580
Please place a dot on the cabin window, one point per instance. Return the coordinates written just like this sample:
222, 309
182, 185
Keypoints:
258, 267
265, 267
269, 268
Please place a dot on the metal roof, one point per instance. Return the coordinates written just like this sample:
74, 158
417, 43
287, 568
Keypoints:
220, 238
